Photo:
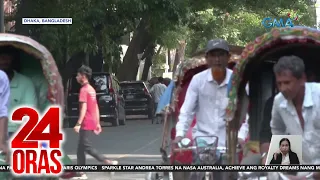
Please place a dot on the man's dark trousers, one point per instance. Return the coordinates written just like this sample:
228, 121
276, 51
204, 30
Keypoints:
84, 146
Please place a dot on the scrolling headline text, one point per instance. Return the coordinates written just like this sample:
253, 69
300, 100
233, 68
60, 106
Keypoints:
168, 168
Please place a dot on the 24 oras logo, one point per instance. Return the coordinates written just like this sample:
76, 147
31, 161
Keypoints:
30, 154
269, 22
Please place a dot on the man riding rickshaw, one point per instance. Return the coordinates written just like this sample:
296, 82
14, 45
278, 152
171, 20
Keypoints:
185, 72
290, 53
35, 82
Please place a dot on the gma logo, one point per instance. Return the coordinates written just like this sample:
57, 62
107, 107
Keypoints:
274, 22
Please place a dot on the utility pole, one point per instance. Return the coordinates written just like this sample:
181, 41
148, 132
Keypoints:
2, 16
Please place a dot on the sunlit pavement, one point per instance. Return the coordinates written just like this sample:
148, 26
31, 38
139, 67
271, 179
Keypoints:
138, 142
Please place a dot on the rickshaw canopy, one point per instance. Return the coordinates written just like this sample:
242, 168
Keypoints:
266, 46
184, 73
48, 65
187, 65
37, 63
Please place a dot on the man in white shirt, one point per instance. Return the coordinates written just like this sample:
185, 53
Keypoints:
206, 97
296, 109
157, 90
4, 103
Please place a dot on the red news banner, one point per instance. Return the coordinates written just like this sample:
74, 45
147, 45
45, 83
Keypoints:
169, 168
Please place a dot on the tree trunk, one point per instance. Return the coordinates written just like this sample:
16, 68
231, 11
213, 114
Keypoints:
180, 51
146, 67
141, 38
110, 67
106, 67
62, 66
150, 51
169, 60
96, 61
87, 59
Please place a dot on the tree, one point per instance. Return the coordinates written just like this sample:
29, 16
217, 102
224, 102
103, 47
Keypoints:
158, 17
157, 64
99, 25
168, 39
172, 40
242, 25
148, 55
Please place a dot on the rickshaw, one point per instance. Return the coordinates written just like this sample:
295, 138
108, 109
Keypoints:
185, 71
36, 62
256, 68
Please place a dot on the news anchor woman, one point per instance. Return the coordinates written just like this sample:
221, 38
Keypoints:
284, 156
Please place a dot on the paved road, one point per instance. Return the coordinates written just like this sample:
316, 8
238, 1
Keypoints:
137, 142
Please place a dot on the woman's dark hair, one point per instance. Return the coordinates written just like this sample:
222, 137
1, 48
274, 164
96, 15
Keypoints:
85, 70
285, 139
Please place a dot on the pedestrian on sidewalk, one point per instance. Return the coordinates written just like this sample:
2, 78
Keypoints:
88, 123
157, 90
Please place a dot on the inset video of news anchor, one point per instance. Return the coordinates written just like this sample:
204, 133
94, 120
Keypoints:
285, 150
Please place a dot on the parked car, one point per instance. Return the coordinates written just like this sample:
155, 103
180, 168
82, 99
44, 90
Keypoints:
138, 100
109, 95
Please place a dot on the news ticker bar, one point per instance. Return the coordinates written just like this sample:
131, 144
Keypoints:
169, 168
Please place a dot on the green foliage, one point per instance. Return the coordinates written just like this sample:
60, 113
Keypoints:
170, 39
100, 24
244, 24
242, 28
159, 60
95, 24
